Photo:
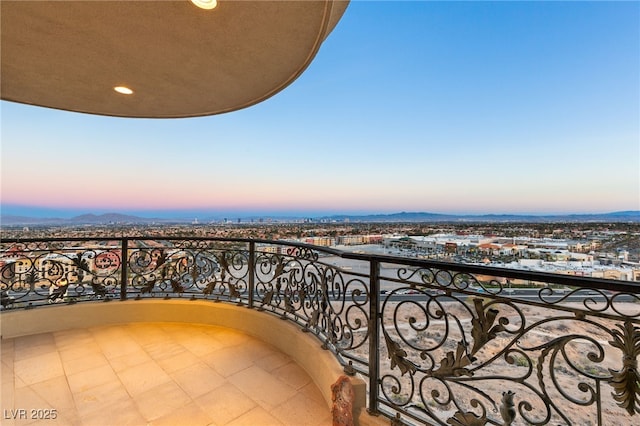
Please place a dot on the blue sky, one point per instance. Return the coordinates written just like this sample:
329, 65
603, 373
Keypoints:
447, 107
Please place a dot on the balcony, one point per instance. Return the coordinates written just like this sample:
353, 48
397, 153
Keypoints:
154, 373
422, 341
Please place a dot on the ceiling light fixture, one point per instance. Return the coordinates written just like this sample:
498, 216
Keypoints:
124, 90
205, 4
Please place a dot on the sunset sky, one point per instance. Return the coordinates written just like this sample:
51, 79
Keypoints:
446, 107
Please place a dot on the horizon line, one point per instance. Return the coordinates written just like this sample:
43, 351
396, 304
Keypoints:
53, 213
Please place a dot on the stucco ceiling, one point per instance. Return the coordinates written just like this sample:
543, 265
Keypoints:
180, 61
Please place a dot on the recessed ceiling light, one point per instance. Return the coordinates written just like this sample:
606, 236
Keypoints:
124, 90
205, 4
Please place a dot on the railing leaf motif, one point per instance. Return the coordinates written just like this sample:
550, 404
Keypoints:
268, 296
397, 355
177, 287
80, 263
626, 382
313, 320
148, 287
453, 365
195, 274
288, 304
161, 259
99, 289
466, 419
279, 268
224, 262
233, 291
208, 290
482, 331
31, 279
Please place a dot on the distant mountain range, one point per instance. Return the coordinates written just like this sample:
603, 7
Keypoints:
624, 216
85, 219
122, 219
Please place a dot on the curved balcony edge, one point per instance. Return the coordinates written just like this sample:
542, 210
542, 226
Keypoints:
321, 365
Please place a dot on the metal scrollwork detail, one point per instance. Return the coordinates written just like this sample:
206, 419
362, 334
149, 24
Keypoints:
188, 268
626, 382
39, 273
470, 345
321, 298
450, 339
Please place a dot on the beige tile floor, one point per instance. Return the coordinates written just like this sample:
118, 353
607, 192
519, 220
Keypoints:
154, 374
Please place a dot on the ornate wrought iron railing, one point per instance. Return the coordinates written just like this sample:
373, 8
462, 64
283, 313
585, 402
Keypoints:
439, 343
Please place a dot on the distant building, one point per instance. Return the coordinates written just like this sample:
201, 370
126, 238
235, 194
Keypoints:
320, 241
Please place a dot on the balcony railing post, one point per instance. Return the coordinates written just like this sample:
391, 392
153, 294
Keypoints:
124, 265
374, 334
252, 271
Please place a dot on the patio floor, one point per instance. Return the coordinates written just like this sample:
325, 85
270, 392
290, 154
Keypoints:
155, 374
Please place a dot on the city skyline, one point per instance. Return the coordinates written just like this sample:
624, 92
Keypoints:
443, 107
21, 215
